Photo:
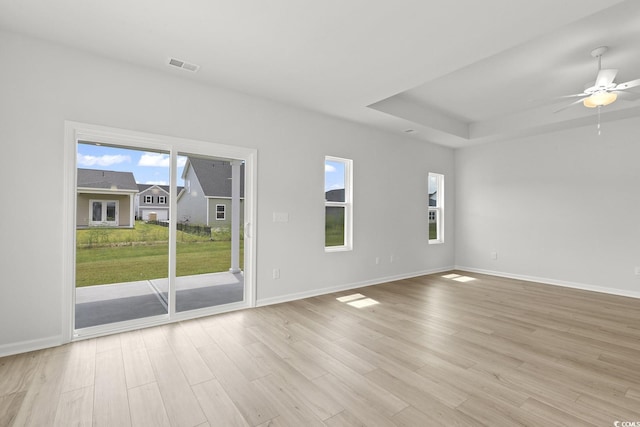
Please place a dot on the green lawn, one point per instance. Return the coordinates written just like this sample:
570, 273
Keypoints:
433, 230
106, 256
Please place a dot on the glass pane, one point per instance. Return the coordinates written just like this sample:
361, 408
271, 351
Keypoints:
433, 190
96, 211
334, 177
210, 255
121, 270
334, 226
433, 224
111, 211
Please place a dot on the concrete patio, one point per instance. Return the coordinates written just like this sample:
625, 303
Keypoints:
102, 304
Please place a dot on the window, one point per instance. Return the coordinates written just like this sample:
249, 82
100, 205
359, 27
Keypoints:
436, 208
148, 199
338, 204
103, 212
220, 212
162, 200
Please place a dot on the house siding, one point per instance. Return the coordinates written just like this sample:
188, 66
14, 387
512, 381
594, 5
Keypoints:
225, 223
192, 206
83, 211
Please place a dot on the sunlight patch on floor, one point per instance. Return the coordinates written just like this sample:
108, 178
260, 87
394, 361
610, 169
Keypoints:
458, 277
357, 300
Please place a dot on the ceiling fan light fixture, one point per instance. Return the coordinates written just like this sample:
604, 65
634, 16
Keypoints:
599, 99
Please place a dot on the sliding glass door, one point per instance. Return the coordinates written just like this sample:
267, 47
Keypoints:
159, 232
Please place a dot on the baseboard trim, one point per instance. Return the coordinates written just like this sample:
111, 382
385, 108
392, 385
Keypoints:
323, 291
31, 345
554, 282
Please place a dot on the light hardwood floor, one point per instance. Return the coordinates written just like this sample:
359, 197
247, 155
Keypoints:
434, 351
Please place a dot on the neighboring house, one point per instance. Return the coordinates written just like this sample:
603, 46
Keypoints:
335, 195
206, 197
152, 202
105, 198
432, 203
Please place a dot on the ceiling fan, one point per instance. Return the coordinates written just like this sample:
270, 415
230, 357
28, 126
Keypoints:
604, 91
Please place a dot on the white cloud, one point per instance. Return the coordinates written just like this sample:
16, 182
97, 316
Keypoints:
335, 187
159, 160
104, 160
329, 168
157, 183
154, 159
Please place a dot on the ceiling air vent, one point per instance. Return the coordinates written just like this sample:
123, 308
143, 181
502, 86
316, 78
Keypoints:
184, 65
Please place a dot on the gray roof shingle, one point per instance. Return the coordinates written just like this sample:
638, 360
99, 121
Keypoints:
215, 176
101, 179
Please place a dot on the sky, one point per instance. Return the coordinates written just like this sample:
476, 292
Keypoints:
333, 175
147, 167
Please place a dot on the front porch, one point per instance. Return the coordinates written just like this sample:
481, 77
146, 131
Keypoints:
103, 304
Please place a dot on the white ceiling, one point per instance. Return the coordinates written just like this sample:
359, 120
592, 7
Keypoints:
457, 73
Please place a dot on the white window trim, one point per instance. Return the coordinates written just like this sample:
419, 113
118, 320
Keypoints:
438, 209
162, 200
224, 212
347, 205
148, 199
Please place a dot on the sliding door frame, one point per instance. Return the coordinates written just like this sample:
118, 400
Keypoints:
75, 132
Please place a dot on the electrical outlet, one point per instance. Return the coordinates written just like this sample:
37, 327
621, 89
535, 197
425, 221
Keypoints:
377, 260
637, 271
276, 273
391, 259
494, 255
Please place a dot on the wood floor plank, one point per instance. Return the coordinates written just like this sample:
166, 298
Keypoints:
217, 405
137, 366
40, 403
111, 404
10, 404
147, 407
180, 402
251, 402
288, 403
17, 372
81, 365
108, 342
252, 368
363, 410
75, 408
193, 367
322, 404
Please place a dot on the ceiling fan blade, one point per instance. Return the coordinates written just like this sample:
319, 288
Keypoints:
570, 105
571, 96
605, 77
627, 85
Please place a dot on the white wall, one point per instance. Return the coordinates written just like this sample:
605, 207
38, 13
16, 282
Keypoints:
561, 207
43, 85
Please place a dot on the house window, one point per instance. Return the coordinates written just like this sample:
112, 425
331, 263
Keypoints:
436, 208
148, 199
162, 200
338, 206
221, 212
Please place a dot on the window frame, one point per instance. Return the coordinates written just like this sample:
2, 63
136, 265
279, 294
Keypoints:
148, 199
438, 209
223, 211
162, 200
347, 205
